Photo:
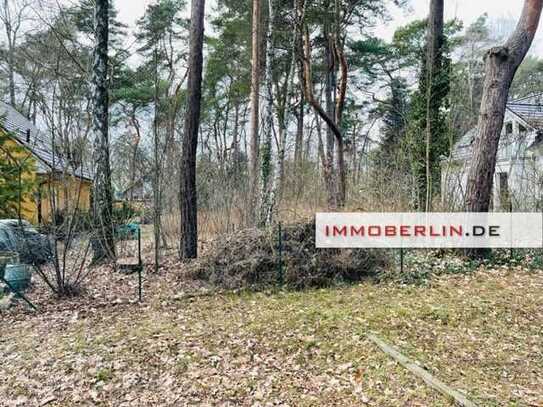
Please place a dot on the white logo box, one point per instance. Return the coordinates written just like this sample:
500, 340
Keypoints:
429, 230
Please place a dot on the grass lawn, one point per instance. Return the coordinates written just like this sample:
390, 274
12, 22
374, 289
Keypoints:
480, 334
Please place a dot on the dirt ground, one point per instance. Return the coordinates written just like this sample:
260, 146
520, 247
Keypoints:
188, 345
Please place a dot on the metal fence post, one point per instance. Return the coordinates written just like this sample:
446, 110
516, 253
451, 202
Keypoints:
511, 253
280, 252
401, 260
140, 265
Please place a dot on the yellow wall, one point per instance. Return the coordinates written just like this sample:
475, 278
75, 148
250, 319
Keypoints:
68, 191
13, 152
64, 194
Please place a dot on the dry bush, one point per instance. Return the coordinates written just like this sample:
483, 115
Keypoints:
250, 259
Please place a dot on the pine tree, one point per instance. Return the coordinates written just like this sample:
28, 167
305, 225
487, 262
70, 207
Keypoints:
15, 184
103, 243
189, 220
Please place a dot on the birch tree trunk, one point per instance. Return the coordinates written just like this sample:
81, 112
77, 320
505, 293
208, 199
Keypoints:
188, 205
267, 201
255, 115
103, 243
273, 182
8, 24
298, 144
11, 55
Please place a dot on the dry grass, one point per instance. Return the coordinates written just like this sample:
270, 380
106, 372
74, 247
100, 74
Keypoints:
481, 334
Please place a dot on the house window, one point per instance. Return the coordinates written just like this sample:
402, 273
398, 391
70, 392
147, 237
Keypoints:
505, 198
509, 128
522, 129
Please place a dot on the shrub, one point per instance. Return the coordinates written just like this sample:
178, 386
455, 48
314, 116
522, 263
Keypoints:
250, 259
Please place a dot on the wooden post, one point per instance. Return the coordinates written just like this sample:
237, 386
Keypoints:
414, 368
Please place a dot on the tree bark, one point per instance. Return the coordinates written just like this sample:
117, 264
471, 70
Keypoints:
254, 120
283, 114
6, 18
11, 61
267, 200
329, 86
434, 44
298, 145
157, 173
13, 17
336, 195
340, 104
189, 219
500, 67
299, 150
103, 241
501, 64
236, 157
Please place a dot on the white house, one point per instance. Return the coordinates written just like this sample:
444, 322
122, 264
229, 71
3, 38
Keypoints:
518, 178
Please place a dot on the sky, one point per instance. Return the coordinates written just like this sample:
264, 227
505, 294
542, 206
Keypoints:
466, 10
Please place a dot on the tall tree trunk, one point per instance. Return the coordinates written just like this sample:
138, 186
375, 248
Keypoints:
284, 116
336, 193
11, 71
434, 55
299, 139
255, 116
330, 139
500, 67
157, 170
275, 181
236, 157
8, 23
340, 104
298, 143
269, 179
103, 242
189, 220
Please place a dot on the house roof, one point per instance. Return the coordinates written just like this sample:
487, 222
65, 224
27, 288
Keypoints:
467, 139
531, 113
39, 143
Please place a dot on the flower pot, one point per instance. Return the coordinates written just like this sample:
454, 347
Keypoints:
7, 258
18, 276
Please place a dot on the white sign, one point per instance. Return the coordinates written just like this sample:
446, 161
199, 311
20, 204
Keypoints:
429, 230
